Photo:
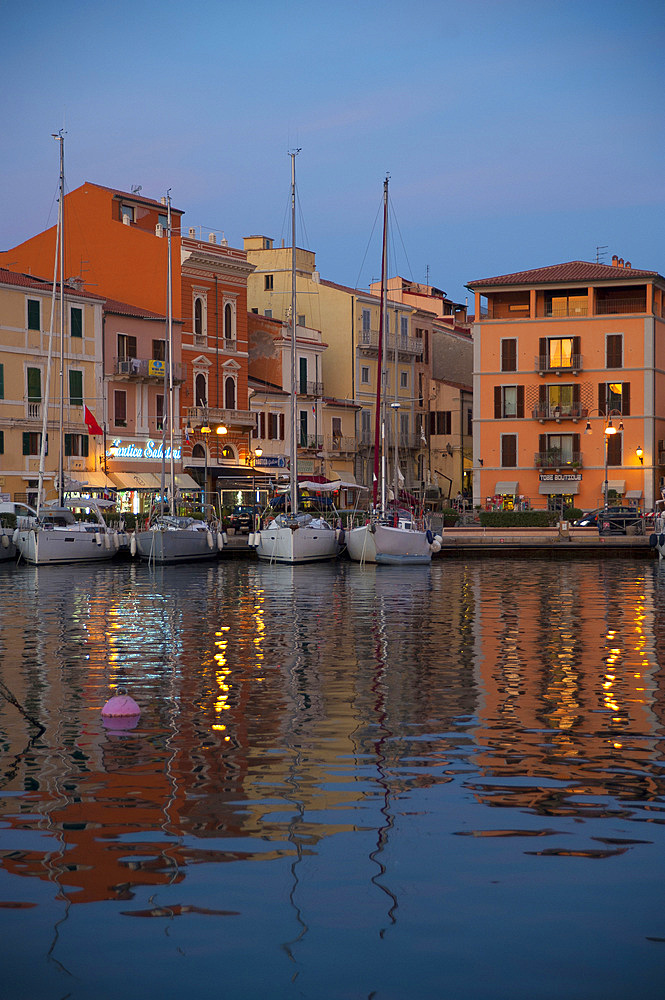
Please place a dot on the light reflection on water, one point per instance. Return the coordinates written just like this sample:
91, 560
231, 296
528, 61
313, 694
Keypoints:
449, 779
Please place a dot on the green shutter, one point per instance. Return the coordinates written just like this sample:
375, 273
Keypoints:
34, 386
2, 442
26, 442
75, 388
68, 445
76, 322
2, 381
34, 314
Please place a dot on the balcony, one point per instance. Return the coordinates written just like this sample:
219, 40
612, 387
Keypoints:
553, 459
559, 413
197, 416
312, 442
368, 342
560, 310
339, 444
545, 365
610, 307
310, 388
147, 369
34, 411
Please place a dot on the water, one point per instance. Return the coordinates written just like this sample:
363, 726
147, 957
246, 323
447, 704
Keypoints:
432, 782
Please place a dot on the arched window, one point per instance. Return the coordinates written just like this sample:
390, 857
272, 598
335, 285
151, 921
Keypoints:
228, 322
228, 453
200, 390
198, 317
198, 451
230, 393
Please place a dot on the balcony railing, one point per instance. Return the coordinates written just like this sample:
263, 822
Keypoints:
339, 443
147, 368
199, 415
311, 441
310, 388
546, 412
35, 411
553, 459
368, 340
546, 364
607, 307
563, 309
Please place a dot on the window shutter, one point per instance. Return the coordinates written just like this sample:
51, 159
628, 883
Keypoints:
509, 451
68, 444
34, 319
509, 355
497, 402
614, 350
602, 391
26, 442
625, 399
34, 385
76, 322
542, 352
85, 445
2, 381
614, 449
281, 427
520, 400
576, 399
432, 423
576, 351
576, 447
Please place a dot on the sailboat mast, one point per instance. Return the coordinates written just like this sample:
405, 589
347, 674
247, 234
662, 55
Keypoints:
61, 443
294, 428
380, 414
169, 321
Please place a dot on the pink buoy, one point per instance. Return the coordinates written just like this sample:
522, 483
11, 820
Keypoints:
121, 706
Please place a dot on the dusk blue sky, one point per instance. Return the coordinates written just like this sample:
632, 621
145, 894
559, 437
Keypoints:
516, 133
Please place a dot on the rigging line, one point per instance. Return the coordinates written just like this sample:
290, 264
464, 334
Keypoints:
396, 226
376, 218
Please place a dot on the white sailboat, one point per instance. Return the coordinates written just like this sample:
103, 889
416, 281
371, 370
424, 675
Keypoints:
56, 535
171, 537
392, 536
295, 536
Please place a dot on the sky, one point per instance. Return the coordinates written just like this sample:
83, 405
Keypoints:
516, 133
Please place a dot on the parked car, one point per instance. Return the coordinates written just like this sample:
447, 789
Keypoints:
242, 519
612, 520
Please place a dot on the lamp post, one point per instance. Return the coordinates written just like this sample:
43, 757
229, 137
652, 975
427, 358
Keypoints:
610, 430
205, 430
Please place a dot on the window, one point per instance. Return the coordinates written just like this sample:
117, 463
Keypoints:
303, 428
230, 393
200, 390
366, 326
509, 355
159, 350
509, 451
426, 347
404, 427
268, 313
336, 431
614, 396
365, 425
404, 380
120, 408
559, 401
75, 388
34, 385
261, 425
615, 448
126, 346
364, 375
34, 314
273, 426
127, 212
302, 376
32, 442
558, 450
404, 326
76, 322
229, 326
508, 401
301, 319
2, 381
198, 317
76, 444
268, 282
440, 422
614, 350
159, 410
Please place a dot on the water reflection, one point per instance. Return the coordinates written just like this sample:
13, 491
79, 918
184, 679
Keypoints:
351, 732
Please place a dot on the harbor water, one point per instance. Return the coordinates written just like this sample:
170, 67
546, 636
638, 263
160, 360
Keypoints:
346, 782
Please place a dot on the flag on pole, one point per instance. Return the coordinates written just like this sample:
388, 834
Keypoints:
91, 423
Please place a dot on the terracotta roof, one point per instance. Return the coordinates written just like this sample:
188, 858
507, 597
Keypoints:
45, 285
572, 272
125, 309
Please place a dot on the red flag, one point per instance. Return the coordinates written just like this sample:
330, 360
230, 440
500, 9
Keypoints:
90, 422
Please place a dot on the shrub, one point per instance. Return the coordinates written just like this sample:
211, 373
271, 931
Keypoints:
518, 518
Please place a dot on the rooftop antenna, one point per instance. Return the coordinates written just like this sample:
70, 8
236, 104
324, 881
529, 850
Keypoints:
600, 253
137, 188
427, 275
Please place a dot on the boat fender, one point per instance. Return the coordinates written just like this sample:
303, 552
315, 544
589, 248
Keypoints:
439, 539
15, 536
98, 537
116, 540
250, 539
435, 546
220, 541
653, 541
107, 541
5, 541
209, 539
225, 537
429, 536
372, 528
132, 545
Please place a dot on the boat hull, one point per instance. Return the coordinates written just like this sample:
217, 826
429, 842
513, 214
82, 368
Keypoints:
296, 545
43, 547
174, 546
387, 545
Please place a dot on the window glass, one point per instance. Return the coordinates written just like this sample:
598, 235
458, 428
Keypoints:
34, 385
75, 388
510, 401
561, 353
34, 314
76, 322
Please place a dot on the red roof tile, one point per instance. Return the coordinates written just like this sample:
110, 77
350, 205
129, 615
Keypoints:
573, 272
21, 280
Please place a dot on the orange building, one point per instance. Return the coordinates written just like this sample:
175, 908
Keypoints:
562, 355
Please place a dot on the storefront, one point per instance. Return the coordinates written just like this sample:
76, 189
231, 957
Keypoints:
561, 489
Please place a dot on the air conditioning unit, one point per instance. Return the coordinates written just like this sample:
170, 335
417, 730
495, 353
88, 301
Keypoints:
124, 366
159, 229
126, 221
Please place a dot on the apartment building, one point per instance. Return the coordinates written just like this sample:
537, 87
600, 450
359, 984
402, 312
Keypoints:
569, 386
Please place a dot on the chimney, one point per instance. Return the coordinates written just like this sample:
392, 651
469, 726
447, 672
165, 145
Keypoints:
163, 199
615, 260
628, 264
192, 232
212, 238
620, 261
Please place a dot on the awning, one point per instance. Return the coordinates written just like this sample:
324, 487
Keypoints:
618, 485
633, 494
136, 480
559, 489
501, 489
346, 477
98, 480
185, 482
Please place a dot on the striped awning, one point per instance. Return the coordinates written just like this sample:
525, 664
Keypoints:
506, 489
135, 480
633, 494
559, 489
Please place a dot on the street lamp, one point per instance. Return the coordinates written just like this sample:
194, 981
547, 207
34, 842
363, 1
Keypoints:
640, 454
610, 430
257, 454
205, 430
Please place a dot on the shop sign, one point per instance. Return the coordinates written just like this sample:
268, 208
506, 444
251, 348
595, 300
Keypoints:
560, 477
270, 462
148, 451
157, 368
